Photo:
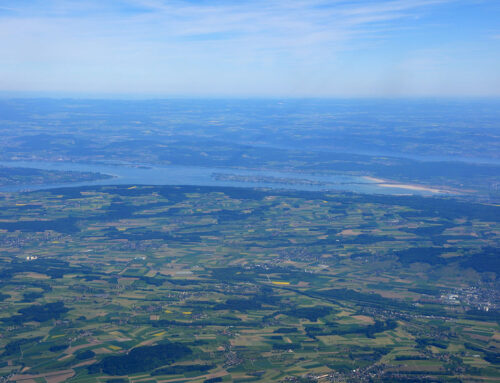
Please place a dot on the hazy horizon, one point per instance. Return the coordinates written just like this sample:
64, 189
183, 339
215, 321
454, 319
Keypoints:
26, 95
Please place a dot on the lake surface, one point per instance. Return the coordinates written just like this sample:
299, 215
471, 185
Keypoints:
129, 174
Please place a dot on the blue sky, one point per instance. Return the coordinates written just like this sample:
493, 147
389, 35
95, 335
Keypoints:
241, 48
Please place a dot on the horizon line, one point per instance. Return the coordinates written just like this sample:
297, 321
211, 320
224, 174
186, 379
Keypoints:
5, 95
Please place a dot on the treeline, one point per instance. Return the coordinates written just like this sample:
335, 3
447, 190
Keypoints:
58, 347
182, 369
286, 330
54, 268
358, 297
410, 357
14, 347
424, 290
141, 359
430, 255
334, 329
146, 235
31, 296
62, 225
239, 305
488, 260
491, 315
154, 281
310, 313
287, 346
490, 356
429, 231
37, 313
366, 239
444, 208
439, 343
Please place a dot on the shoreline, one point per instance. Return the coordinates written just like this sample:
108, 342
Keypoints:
392, 184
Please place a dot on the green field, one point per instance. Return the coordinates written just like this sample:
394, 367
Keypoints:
202, 284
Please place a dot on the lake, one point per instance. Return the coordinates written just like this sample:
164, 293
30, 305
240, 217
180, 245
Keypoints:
130, 174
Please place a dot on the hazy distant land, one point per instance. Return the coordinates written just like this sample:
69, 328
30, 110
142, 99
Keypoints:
10, 176
443, 145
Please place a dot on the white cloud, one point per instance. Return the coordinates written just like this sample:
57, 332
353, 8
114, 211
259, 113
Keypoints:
245, 47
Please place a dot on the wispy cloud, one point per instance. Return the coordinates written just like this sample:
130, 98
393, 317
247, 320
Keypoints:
292, 18
198, 46
290, 23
